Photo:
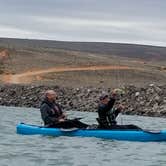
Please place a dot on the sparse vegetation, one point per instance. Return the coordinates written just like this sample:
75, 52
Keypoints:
36, 55
1, 67
1, 70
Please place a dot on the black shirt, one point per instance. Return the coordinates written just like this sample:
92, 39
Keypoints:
107, 115
51, 112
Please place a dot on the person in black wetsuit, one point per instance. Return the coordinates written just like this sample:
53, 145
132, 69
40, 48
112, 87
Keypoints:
107, 113
53, 116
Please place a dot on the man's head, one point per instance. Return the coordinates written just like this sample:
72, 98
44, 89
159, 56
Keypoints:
51, 95
104, 98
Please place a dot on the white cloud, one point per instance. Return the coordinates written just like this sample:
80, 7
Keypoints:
136, 22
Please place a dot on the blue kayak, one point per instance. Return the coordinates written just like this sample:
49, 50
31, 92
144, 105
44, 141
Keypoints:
127, 135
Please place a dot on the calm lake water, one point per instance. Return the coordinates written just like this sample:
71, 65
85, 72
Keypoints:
16, 150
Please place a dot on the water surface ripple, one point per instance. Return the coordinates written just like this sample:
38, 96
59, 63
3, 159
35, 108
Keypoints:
75, 151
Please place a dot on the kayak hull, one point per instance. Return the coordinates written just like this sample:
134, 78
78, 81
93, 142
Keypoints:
127, 135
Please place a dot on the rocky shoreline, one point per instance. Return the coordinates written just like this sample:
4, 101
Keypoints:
146, 101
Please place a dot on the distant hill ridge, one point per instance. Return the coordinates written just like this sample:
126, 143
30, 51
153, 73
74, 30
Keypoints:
124, 50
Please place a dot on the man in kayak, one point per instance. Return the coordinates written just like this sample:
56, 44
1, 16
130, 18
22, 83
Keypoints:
53, 116
107, 113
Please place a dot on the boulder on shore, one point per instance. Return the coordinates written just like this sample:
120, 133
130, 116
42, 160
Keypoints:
147, 101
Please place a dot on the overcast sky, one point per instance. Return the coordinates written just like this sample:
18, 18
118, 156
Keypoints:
125, 21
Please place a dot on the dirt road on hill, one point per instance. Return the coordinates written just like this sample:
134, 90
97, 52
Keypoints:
26, 77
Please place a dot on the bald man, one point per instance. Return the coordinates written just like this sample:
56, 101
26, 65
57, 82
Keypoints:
53, 116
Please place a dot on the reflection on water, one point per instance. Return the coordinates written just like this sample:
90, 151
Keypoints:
68, 151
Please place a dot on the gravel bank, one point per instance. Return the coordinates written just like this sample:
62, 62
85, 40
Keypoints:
146, 101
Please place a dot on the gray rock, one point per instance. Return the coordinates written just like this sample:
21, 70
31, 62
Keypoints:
147, 101
137, 94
